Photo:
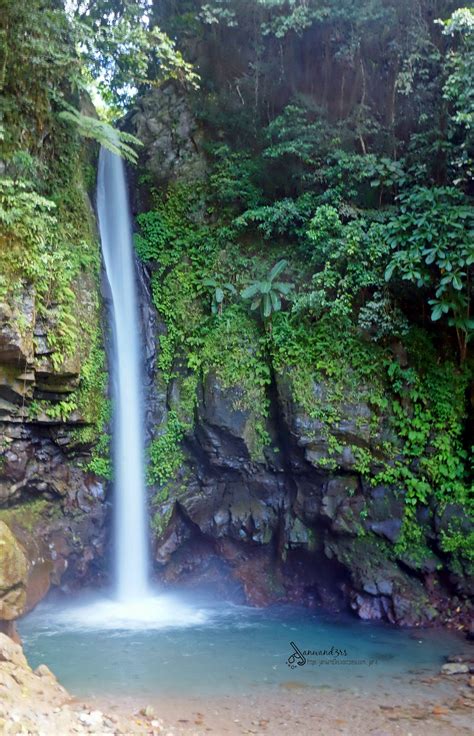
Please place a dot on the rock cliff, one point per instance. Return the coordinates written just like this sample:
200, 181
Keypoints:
52, 507
299, 516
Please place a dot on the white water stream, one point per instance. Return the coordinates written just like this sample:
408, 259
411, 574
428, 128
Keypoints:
135, 604
131, 558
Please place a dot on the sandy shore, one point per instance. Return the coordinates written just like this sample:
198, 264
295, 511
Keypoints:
436, 706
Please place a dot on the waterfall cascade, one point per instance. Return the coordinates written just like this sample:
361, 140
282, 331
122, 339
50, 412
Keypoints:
131, 557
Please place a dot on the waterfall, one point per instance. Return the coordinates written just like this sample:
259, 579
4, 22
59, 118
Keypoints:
131, 563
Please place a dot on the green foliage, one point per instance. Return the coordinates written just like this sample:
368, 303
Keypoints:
27, 220
386, 175
218, 290
114, 140
235, 352
154, 235
297, 135
182, 252
428, 414
60, 410
233, 179
217, 13
348, 261
321, 349
296, 18
191, 260
38, 68
459, 90
170, 61
95, 408
49, 252
329, 367
122, 49
457, 543
306, 162
267, 295
282, 218
432, 237
33, 253
382, 319
425, 458
37, 253
165, 454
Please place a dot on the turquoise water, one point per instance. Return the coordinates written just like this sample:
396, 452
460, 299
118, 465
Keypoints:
179, 645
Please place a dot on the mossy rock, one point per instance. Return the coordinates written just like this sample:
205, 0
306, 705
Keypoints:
13, 575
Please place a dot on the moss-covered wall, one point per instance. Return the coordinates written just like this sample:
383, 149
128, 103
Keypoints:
53, 379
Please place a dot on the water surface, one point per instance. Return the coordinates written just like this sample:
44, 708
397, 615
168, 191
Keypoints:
179, 645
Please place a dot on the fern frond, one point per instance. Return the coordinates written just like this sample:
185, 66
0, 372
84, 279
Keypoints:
114, 140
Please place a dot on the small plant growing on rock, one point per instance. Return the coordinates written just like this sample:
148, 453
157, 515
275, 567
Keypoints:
218, 291
267, 295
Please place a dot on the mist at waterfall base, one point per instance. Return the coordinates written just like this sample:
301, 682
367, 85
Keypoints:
143, 641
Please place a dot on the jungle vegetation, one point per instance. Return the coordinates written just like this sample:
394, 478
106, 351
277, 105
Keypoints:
335, 218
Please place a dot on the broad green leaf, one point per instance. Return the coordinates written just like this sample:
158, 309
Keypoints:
277, 269
283, 287
267, 306
250, 291
276, 301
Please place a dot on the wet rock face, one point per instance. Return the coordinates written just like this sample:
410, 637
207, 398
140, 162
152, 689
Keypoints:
16, 335
282, 527
285, 527
52, 511
172, 140
34, 465
380, 589
357, 428
52, 519
150, 326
